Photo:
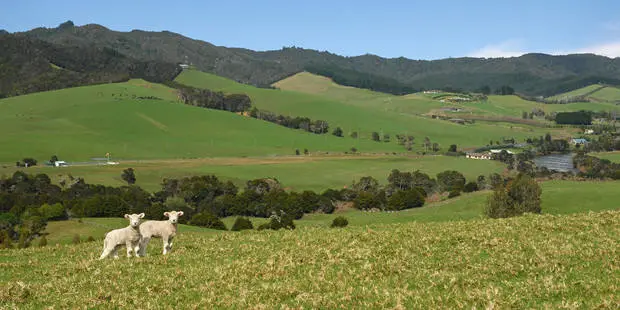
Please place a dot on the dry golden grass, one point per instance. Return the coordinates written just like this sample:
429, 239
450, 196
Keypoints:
569, 261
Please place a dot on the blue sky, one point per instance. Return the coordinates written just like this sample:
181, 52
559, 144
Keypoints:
413, 29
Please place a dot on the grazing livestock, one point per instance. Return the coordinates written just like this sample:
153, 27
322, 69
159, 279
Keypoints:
166, 230
128, 236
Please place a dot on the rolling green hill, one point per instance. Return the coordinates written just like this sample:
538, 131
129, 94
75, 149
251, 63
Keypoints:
595, 93
371, 112
495, 108
81, 123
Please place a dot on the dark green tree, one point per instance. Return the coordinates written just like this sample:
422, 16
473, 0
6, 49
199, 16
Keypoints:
337, 132
129, 176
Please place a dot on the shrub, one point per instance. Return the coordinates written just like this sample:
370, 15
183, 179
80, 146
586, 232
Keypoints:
470, 187
42, 241
90, 239
520, 195
454, 193
76, 239
23, 241
340, 221
406, 199
53, 212
207, 220
5, 240
277, 222
242, 223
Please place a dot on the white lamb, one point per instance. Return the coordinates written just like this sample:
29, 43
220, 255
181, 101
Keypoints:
128, 236
166, 230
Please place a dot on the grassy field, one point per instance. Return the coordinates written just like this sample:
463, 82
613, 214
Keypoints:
365, 111
607, 94
600, 93
577, 92
612, 156
295, 172
80, 123
568, 261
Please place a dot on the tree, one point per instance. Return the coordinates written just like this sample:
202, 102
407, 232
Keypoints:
207, 220
427, 143
129, 176
386, 137
339, 221
337, 132
406, 199
452, 148
306, 152
53, 159
470, 187
505, 90
375, 136
451, 180
354, 135
435, 147
242, 223
524, 115
29, 162
297, 152
520, 195
485, 90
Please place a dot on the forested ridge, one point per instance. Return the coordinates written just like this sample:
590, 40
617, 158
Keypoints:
30, 65
530, 74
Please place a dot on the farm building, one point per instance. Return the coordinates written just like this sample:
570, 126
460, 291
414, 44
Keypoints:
478, 155
499, 151
579, 141
60, 163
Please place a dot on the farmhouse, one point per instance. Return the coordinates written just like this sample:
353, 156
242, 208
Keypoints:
60, 163
184, 66
478, 155
579, 141
589, 131
499, 151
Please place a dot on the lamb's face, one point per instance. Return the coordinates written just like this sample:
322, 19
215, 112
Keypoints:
173, 216
134, 219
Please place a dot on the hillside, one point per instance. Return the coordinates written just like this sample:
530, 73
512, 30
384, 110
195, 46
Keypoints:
594, 93
29, 65
533, 74
531, 261
81, 123
493, 107
374, 112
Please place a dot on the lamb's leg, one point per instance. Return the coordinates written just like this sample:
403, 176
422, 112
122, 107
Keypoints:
170, 244
144, 242
136, 248
115, 252
129, 246
105, 253
106, 250
165, 241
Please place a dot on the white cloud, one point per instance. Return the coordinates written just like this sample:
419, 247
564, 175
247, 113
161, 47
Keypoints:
514, 48
509, 48
609, 49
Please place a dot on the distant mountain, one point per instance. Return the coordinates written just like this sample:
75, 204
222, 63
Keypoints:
532, 74
30, 65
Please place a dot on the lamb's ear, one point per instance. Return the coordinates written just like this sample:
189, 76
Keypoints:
180, 213
141, 215
166, 214
126, 216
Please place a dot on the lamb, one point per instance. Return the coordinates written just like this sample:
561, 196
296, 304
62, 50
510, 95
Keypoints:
128, 236
166, 230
